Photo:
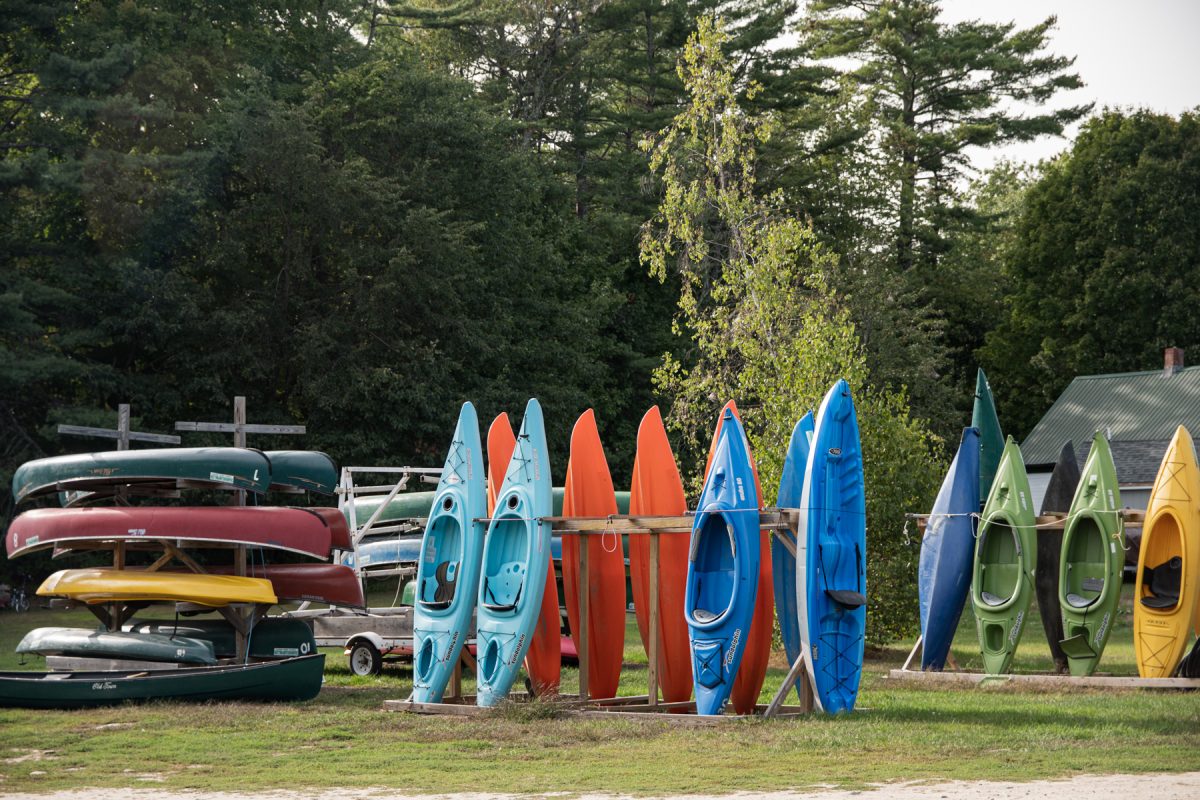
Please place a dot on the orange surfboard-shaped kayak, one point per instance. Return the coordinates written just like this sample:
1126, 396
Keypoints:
753, 671
588, 492
657, 490
543, 662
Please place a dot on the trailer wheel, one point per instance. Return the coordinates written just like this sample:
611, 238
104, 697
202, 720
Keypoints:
365, 659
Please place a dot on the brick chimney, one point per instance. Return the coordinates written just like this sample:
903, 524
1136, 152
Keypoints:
1172, 361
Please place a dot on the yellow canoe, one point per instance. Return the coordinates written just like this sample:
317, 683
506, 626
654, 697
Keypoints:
126, 586
1168, 579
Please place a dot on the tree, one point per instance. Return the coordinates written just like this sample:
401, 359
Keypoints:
763, 326
1103, 268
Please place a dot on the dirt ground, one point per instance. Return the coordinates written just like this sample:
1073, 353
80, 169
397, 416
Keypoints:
1177, 786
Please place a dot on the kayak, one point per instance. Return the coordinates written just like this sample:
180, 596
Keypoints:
657, 490
308, 531
106, 585
92, 643
831, 559
589, 493
783, 562
304, 470
947, 552
1060, 492
1091, 562
757, 649
271, 637
722, 577
200, 467
1005, 561
516, 557
991, 439
283, 680
1169, 562
448, 570
543, 660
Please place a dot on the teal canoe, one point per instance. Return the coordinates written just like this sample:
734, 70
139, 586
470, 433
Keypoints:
1005, 561
991, 439
92, 643
201, 467
273, 637
516, 557
302, 470
287, 679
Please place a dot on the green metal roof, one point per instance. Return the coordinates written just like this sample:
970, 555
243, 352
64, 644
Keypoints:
1131, 406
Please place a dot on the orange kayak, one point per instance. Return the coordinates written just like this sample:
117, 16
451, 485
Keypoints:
588, 492
749, 681
657, 490
543, 662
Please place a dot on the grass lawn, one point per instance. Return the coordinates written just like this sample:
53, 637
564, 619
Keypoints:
343, 738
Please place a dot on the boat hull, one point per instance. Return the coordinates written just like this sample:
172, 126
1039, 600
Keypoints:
106, 585
991, 439
92, 643
302, 470
783, 560
272, 637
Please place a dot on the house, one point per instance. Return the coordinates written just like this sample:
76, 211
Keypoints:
1138, 412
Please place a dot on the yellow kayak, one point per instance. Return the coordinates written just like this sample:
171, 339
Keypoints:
126, 586
1168, 578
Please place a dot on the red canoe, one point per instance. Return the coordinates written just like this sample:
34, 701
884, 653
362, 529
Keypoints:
588, 492
657, 490
543, 661
753, 671
309, 531
331, 584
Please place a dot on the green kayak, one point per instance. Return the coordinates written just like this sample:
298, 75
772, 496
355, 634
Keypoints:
1093, 556
304, 470
1005, 560
991, 439
92, 643
202, 467
415, 505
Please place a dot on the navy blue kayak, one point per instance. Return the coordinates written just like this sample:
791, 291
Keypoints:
831, 560
783, 563
947, 553
723, 564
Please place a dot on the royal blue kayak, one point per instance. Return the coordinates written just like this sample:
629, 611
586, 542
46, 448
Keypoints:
947, 553
723, 562
831, 566
516, 556
448, 571
783, 562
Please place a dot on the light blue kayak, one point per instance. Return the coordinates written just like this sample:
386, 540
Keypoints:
831, 565
783, 563
723, 563
516, 556
448, 571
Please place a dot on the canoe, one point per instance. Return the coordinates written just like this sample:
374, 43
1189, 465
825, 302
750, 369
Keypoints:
991, 439
516, 557
283, 680
589, 493
448, 570
783, 560
1005, 561
722, 577
92, 643
202, 467
1060, 492
383, 553
757, 651
947, 552
657, 490
330, 584
1091, 562
831, 559
306, 470
271, 637
543, 660
1168, 574
308, 531
100, 585
416, 505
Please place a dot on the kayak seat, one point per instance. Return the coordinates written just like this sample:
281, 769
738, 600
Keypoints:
847, 598
502, 589
441, 586
1087, 585
1163, 582
1079, 601
993, 600
704, 615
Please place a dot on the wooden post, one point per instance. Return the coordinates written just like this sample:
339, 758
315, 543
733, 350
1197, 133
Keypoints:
581, 636
121, 433
652, 670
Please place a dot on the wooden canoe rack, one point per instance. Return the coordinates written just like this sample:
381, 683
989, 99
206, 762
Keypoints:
1048, 522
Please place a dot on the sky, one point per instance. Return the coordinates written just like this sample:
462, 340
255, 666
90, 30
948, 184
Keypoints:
1129, 53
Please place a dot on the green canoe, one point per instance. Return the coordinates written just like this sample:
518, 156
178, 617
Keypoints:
991, 439
415, 505
1005, 560
272, 637
203, 467
1093, 556
304, 470
285, 679
92, 643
